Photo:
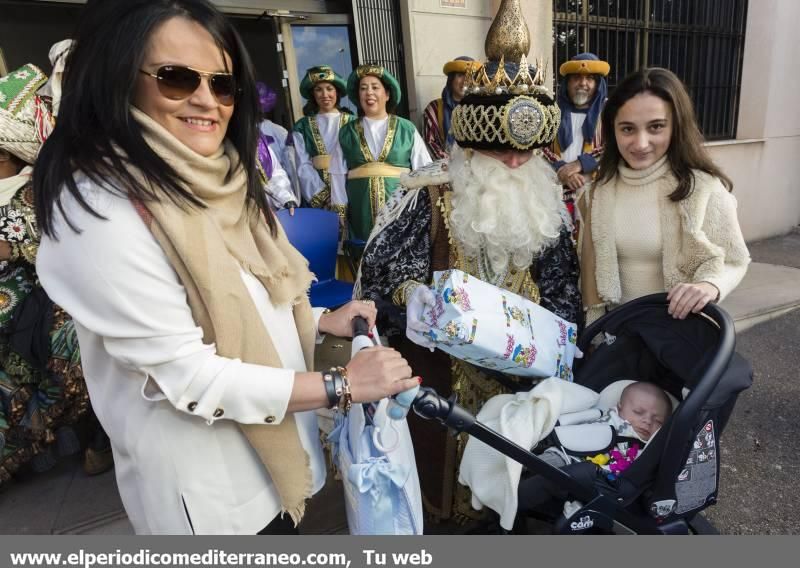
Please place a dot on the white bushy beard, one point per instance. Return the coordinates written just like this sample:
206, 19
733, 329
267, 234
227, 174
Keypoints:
581, 98
512, 214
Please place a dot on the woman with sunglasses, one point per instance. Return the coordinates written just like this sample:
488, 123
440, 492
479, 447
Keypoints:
378, 147
196, 334
321, 169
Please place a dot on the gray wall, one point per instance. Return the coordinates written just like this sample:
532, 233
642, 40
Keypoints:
28, 29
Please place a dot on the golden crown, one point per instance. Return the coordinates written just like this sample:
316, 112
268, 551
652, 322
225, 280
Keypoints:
478, 82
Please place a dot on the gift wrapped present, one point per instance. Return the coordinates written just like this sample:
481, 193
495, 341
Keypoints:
496, 329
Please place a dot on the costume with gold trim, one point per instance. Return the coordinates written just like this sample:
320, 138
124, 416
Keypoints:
376, 151
42, 390
320, 166
421, 237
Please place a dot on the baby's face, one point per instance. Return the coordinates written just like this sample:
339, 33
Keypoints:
645, 411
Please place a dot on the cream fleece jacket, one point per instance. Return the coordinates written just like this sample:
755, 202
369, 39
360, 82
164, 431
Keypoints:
701, 237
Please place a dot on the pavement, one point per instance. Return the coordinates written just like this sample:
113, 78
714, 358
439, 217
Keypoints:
759, 481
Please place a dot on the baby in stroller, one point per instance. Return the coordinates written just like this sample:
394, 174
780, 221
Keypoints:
642, 410
673, 478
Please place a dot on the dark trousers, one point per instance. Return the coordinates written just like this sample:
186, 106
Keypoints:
280, 525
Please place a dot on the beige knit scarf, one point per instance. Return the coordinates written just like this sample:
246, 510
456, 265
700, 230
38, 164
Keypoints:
207, 247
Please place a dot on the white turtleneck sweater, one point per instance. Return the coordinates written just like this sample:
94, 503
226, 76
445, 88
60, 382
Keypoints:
637, 223
643, 242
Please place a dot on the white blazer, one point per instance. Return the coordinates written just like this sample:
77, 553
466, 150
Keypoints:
178, 471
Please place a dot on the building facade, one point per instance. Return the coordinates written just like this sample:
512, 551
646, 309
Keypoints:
734, 55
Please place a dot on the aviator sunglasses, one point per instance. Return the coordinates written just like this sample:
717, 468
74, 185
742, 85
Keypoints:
177, 82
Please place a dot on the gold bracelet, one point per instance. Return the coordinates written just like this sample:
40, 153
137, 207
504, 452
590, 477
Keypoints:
346, 401
403, 292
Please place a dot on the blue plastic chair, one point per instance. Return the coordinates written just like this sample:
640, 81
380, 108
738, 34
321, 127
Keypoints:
315, 233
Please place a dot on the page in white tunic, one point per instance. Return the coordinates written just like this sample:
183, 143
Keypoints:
310, 181
576, 148
279, 189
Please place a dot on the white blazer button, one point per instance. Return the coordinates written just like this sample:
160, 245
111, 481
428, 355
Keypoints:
269, 419
218, 412
191, 406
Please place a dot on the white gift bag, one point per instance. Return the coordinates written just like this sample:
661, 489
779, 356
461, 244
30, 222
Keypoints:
496, 329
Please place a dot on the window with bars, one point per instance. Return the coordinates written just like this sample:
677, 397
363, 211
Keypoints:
701, 41
381, 40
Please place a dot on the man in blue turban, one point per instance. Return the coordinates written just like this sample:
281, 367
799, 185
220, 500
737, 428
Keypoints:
575, 151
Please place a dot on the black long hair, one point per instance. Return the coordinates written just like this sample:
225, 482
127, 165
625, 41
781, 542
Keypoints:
95, 128
686, 151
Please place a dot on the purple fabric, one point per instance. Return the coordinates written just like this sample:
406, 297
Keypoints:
266, 97
264, 156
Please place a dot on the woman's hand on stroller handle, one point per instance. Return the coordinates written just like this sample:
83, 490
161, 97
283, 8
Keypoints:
378, 372
400, 403
340, 322
686, 298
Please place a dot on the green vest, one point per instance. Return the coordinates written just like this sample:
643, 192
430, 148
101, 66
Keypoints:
315, 146
366, 195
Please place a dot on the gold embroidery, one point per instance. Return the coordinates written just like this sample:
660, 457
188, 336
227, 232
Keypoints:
316, 136
523, 122
325, 174
387, 143
472, 386
377, 195
322, 200
262, 174
402, 293
377, 185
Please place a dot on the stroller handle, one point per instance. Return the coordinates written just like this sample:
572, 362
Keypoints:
399, 404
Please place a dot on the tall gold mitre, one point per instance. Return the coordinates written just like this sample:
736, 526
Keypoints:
508, 41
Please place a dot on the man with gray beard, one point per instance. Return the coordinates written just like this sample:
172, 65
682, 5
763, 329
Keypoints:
576, 151
494, 209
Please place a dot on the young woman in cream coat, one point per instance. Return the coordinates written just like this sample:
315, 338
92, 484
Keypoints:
660, 217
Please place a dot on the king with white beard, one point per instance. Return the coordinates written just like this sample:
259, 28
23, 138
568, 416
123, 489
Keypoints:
493, 210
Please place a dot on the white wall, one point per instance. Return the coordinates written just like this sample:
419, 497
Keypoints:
763, 162
434, 35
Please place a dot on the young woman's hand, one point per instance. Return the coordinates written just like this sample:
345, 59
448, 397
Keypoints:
377, 372
340, 322
685, 298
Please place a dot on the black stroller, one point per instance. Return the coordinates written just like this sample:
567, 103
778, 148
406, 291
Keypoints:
677, 476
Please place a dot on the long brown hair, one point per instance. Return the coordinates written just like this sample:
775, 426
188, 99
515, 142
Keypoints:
686, 151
